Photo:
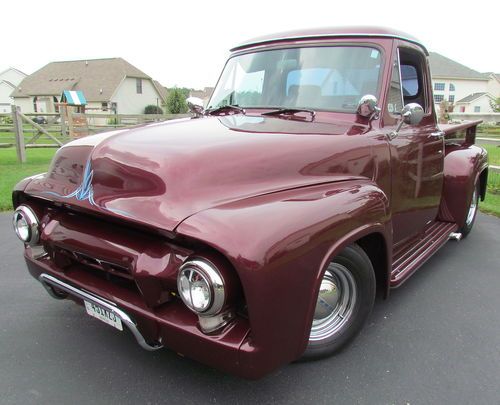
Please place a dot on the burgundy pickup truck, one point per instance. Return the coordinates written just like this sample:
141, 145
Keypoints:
258, 231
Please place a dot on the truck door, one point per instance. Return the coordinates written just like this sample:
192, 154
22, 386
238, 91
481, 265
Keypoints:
417, 152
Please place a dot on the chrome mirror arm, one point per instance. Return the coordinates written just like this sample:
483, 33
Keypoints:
411, 114
195, 106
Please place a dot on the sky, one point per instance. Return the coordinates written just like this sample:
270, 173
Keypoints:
186, 43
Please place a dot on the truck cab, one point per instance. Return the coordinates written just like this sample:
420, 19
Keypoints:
258, 231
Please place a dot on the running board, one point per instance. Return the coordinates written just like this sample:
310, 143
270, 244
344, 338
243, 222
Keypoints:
412, 254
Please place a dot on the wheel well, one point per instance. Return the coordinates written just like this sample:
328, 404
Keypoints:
483, 181
375, 247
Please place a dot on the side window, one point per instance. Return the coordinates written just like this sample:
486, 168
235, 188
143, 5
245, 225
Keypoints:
409, 77
395, 99
412, 77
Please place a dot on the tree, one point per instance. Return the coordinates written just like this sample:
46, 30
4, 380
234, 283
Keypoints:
495, 104
444, 117
176, 101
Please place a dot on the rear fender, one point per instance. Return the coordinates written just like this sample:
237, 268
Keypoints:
463, 167
280, 245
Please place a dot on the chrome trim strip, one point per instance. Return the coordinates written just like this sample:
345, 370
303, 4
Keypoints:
49, 282
325, 35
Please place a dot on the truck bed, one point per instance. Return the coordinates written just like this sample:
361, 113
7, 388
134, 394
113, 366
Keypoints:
463, 133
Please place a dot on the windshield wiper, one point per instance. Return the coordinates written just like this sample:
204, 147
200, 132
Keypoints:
225, 108
291, 111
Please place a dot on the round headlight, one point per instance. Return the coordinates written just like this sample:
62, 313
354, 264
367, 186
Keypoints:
201, 287
26, 225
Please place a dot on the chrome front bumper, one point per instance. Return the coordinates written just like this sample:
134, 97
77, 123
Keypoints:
54, 286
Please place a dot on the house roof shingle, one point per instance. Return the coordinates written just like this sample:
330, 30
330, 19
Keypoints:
471, 97
97, 78
161, 89
8, 83
441, 66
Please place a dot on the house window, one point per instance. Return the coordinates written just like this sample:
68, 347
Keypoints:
477, 108
452, 87
138, 86
438, 98
451, 98
439, 86
104, 106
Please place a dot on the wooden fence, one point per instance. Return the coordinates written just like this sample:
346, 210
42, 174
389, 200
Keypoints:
52, 130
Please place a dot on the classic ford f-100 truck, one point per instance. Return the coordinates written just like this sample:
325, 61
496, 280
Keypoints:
258, 231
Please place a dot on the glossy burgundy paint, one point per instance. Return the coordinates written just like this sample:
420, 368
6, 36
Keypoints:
271, 200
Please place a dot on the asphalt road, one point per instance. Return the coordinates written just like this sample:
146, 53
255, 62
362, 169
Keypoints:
435, 341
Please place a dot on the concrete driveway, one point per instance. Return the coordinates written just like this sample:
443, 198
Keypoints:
435, 341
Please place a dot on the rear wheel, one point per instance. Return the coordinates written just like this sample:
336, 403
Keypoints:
344, 301
471, 212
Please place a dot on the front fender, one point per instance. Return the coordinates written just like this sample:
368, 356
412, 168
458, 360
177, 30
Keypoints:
462, 168
280, 244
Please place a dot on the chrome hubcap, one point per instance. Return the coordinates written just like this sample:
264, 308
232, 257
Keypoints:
472, 209
336, 301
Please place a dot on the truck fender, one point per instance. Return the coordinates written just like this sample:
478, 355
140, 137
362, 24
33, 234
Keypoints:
462, 169
280, 245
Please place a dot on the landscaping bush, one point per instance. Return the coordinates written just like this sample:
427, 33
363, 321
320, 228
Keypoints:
6, 120
152, 109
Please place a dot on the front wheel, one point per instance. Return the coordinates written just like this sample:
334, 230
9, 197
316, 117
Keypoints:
471, 212
344, 301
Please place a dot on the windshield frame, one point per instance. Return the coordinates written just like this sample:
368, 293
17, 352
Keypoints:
308, 44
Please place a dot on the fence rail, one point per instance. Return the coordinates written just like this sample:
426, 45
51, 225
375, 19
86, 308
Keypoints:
39, 130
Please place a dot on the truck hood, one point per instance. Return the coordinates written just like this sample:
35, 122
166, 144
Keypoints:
162, 173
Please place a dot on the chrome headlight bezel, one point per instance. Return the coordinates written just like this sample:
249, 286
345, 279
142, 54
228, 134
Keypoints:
202, 270
26, 214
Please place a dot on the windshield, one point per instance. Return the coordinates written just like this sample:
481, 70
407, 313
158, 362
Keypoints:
330, 78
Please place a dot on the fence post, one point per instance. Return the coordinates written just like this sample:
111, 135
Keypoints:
63, 113
18, 129
69, 112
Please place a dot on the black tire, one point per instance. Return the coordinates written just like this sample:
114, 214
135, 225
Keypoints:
354, 293
470, 216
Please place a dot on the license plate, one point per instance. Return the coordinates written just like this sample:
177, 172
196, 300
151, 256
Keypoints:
103, 315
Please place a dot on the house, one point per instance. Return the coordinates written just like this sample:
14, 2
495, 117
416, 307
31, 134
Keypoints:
476, 102
9, 79
109, 85
461, 86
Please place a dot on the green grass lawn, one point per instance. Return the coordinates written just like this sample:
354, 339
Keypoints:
11, 171
38, 161
493, 154
491, 204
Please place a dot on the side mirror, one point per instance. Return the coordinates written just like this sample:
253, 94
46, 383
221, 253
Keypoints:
195, 106
367, 107
411, 114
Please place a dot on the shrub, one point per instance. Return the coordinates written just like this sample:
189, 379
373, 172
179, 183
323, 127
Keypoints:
6, 120
152, 109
